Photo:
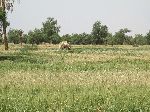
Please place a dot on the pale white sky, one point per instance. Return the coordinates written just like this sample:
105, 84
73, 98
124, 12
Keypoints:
77, 16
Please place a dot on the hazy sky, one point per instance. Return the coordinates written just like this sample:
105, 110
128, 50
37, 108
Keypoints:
77, 16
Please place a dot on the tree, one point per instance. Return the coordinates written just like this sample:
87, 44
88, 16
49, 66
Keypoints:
21, 36
1, 39
99, 33
128, 40
25, 38
55, 39
50, 28
139, 39
14, 36
7, 5
36, 36
120, 37
66, 37
109, 39
76, 39
148, 37
86, 38
48, 33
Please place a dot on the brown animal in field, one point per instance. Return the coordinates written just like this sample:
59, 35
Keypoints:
64, 45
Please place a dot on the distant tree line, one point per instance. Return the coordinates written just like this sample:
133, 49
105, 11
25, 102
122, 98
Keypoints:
49, 33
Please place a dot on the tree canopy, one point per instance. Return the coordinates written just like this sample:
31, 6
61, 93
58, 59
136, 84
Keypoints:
99, 33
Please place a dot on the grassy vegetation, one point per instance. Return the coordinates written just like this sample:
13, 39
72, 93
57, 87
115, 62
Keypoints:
85, 79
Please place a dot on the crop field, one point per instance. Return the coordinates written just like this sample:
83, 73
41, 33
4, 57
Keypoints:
85, 79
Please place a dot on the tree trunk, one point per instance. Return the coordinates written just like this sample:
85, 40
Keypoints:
21, 36
21, 40
5, 38
4, 26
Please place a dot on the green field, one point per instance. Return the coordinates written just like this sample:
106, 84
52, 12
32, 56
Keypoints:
84, 79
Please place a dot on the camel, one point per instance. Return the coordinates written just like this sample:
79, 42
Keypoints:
64, 45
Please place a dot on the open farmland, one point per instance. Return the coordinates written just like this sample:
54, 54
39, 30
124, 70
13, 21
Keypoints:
84, 79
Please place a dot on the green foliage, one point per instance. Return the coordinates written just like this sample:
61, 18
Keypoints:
47, 34
148, 38
55, 39
120, 37
3, 19
99, 33
50, 27
86, 38
66, 37
35, 37
1, 39
25, 38
139, 39
78, 39
1, 14
14, 36
109, 39
128, 40
7, 5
